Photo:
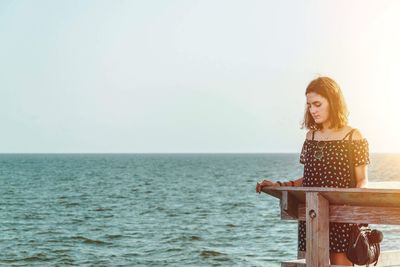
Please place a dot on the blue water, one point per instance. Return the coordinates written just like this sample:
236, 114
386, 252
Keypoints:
152, 210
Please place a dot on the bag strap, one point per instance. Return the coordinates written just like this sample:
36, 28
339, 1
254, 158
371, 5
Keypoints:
350, 134
378, 251
351, 160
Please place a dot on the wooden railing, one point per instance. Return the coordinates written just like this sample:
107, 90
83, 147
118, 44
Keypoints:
377, 204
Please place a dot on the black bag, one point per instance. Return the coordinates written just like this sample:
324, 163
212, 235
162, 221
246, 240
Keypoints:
364, 247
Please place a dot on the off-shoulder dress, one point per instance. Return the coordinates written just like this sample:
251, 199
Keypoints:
331, 170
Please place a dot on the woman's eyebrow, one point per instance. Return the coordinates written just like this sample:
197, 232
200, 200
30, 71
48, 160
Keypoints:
313, 102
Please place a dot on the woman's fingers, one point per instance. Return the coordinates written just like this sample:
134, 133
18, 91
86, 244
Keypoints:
266, 183
258, 188
263, 183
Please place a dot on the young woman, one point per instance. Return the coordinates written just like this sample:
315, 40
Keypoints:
325, 157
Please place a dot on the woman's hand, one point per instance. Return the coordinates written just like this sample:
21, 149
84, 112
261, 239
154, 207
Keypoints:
264, 183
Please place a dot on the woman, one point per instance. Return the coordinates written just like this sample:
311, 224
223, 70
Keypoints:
325, 157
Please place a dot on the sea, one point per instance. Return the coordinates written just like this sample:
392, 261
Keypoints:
152, 209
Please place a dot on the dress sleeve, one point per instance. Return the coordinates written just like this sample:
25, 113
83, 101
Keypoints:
360, 152
303, 154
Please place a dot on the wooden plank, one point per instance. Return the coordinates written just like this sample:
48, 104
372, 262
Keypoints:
317, 230
332, 189
294, 263
344, 196
384, 185
376, 199
272, 191
289, 207
302, 263
301, 254
387, 258
351, 214
375, 187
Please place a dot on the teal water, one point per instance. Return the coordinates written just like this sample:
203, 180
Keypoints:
152, 209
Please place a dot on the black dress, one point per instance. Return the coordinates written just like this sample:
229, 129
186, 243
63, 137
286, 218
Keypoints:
331, 170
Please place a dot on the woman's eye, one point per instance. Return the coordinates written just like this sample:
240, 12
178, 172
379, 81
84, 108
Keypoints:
317, 105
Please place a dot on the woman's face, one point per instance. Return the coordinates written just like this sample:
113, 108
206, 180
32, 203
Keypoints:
318, 107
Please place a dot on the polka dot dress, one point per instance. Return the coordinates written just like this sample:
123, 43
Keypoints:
331, 170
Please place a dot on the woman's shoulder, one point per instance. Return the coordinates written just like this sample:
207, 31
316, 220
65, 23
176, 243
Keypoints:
357, 135
309, 135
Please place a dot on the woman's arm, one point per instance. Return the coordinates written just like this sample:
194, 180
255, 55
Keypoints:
298, 182
361, 176
361, 171
268, 183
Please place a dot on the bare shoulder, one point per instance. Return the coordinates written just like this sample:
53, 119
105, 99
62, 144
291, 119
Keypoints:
309, 135
357, 135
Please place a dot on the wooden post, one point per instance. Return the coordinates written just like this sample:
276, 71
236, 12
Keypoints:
289, 207
317, 230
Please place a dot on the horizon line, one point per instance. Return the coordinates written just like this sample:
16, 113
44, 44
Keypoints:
141, 153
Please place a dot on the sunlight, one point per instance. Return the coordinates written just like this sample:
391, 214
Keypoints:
380, 92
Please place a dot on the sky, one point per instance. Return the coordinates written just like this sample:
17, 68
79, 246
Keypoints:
191, 76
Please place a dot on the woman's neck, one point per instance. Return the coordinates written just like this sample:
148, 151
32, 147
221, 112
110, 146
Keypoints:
331, 133
326, 127
329, 130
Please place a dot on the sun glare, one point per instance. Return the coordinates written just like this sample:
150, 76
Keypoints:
377, 102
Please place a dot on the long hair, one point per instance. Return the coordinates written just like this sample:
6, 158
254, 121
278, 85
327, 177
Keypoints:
338, 113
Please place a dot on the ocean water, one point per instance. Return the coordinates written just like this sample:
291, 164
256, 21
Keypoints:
152, 209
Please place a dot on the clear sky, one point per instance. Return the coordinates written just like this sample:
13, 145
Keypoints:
191, 76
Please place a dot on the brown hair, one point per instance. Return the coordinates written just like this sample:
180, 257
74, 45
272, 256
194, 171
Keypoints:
338, 113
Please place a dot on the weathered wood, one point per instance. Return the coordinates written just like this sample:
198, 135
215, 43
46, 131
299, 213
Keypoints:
343, 196
294, 263
387, 258
301, 254
302, 263
317, 230
378, 204
289, 207
356, 214
384, 185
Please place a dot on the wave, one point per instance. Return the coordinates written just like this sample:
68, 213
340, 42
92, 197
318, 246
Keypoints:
37, 257
89, 241
211, 253
102, 209
116, 236
194, 237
